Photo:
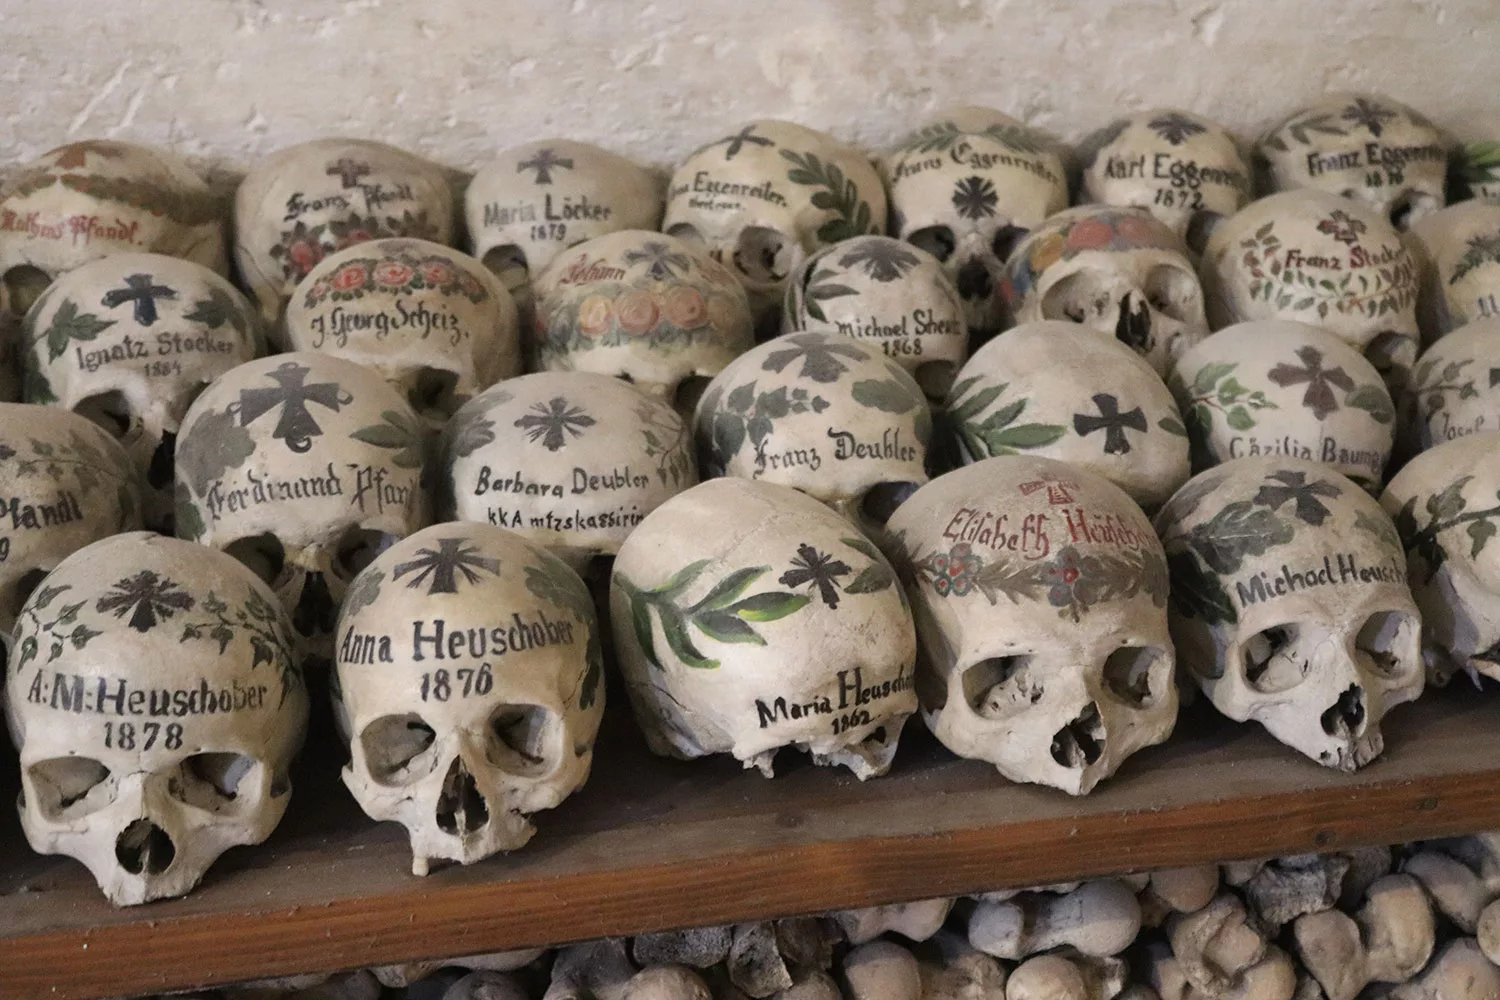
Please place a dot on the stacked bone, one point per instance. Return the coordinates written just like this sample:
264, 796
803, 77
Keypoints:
1419, 922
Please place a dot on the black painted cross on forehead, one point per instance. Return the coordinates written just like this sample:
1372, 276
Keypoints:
139, 289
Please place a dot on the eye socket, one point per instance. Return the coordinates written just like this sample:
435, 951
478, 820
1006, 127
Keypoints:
1200, 227
262, 554
1127, 674
519, 738
1172, 291
212, 781
357, 548
160, 471
66, 788
1076, 298
434, 393
25, 284
398, 749
1005, 240
687, 232
1385, 645
1271, 661
936, 240
1000, 686
110, 410
508, 263
763, 256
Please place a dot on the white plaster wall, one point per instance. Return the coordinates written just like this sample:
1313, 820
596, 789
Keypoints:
230, 80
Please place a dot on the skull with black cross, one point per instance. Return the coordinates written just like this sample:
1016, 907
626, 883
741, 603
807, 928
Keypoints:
966, 187
304, 467
1364, 147
762, 199
1290, 604
91, 199
1186, 170
1118, 271
890, 295
129, 341
1040, 594
432, 321
748, 617
308, 201
156, 704
471, 683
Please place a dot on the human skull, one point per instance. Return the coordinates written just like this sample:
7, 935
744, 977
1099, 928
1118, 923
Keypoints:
1290, 605
1040, 596
821, 413
571, 461
301, 204
1184, 169
129, 341
88, 200
749, 617
762, 199
886, 293
1446, 503
1459, 249
535, 200
1320, 259
471, 676
1119, 271
302, 466
1364, 147
157, 707
646, 307
1277, 387
1053, 389
432, 321
1455, 388
64, 483
966, 187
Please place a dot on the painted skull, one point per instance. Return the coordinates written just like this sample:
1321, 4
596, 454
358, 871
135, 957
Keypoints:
1185, 169
571, 461
88, 200
129, 341
303, 467
432, 321
888, 294
1276, 387
1446, 503
157, 706
1455, 388
748, 617
821, 413
1364, 147
762, 199
966, 187
649, 308
301, 204
1118, 271
535, 200
1040, 596
1459, 252
1051, 389
471, 677
64, 483
1290, 605
1477, 164
1319, 259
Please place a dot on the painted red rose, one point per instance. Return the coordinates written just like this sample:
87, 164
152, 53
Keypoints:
393, 273
437, 273
304, 256
349, 277
636, 310
594, 315
685, 307
1090, 234
1139, 232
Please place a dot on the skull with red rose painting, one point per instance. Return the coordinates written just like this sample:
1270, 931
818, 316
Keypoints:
1118, 271
1040, 596
1290, 605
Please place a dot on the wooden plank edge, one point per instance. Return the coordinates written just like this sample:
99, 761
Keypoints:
153, 955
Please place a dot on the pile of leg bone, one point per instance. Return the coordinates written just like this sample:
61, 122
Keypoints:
1416, 922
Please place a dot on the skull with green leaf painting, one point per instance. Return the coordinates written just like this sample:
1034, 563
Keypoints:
748, 617
1455, 388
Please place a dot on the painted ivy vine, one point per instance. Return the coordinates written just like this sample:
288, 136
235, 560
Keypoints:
837, 194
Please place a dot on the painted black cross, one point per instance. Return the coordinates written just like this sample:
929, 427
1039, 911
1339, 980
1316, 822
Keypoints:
544, 162
441, 568
296, 426
348, 171
139, 289
737, 141
1112, 422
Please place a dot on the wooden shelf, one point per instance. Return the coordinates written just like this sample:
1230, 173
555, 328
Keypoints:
653, 844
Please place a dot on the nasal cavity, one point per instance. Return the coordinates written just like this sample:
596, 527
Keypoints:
1133, 329
1081, 742
1346, 717
25, 284
159, 472
316, 612
143, 848
974, 281
460, 808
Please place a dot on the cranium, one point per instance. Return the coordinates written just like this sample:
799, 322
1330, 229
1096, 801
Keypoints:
1459, 250
1455, 388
